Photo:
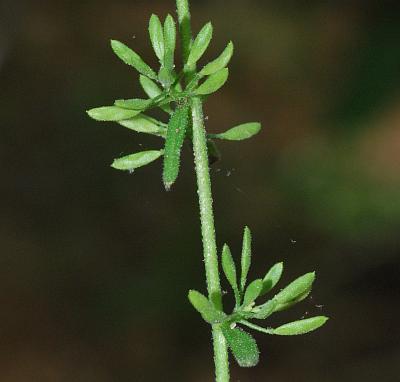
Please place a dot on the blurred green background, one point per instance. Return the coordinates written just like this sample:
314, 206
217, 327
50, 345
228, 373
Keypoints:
96, 264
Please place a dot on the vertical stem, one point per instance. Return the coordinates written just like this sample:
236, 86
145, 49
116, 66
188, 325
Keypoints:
185, 31
205, 200
208, 234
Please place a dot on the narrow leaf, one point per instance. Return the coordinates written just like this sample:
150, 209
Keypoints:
296, 288
142, 124
286, 305
300, 327
150, 87
152, 90
203, 305
131, 58
169, 42
246, 257
219, 63
213, 82
200, 44
176, 132
272, 277
166, 77
229, 268
252, 292
243, 346
265, 310
133, 161
133, 104
157, 37
241, 132
111, 113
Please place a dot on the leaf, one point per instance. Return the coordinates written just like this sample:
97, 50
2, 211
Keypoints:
169, 42
203, 305
252, 292
133, 104
200, 44
152, 90
241, 132
265, 310
176, 133
141, 124
165, 77
111, 113
289, 304
133, 161
246, 257
243, 346
272, 277
229, 268
150, 87
213, 82
219, 63
131, 58
296, 288
157, 37
300, 327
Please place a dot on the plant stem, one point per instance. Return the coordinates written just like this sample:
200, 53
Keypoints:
185, 31
208, 235
205, 200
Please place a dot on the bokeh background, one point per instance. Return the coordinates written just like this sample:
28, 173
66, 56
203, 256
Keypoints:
95, 264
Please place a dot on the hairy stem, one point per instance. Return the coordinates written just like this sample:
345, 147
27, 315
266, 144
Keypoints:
185, 31
205, 201
208, 235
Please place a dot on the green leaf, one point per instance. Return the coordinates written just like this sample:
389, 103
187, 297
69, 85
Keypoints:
169, 42
200, 44
300, 327
246, 257
252, 292
157, 37
289, 304
241, 132
272, 277
165, 77
229, 268
296, 288
111, 113
176, 133
203, 305
219, 63
213, 82
133, 161
133, 104
243, 346
131, 58
152, 90
150, 87
143, 124
265, 310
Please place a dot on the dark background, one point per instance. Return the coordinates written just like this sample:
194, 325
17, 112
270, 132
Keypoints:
95, 264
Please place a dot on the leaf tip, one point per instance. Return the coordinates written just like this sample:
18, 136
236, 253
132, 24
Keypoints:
168, 186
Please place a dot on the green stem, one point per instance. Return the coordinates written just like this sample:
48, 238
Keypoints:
205, 201
185, 32
256, 327
208, 235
